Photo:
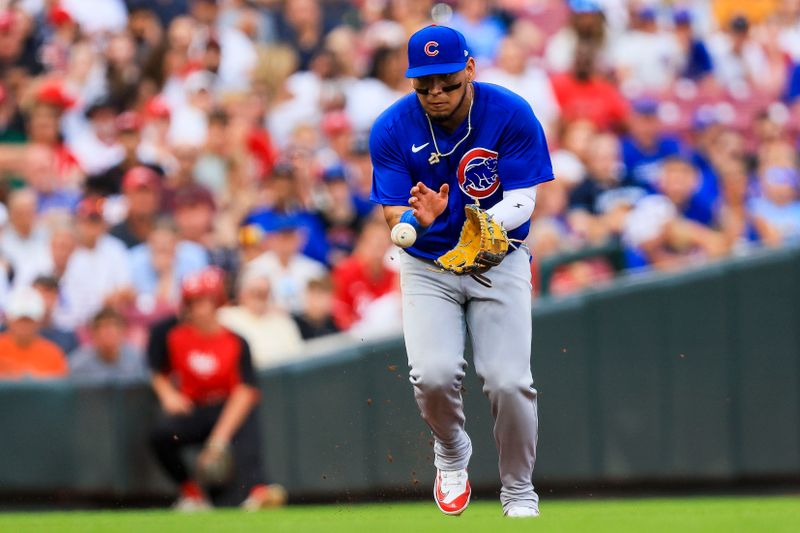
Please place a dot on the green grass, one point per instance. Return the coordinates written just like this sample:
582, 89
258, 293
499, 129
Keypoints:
703, 514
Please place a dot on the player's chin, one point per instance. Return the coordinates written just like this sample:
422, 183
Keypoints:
439, 114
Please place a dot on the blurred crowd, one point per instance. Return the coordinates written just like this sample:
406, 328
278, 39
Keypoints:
142, 140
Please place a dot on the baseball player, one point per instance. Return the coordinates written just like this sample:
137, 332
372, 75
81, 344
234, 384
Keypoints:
438, 152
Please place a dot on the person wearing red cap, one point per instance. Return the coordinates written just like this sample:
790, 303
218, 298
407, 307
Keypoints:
204, 379
42, 127
141, 186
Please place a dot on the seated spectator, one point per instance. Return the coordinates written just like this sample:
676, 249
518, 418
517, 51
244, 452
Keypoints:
598, 206
211, 170
271, 333
194, 214
732, 216
514, 72
97, 269
23, 351
287, 269
316, 317
587, 24
107, 358
656, 235
63, 240
111, 182
363, 278
141, 188
697, 63
645, 146
96, 147
383, 85
24, 242
204, 379
284, 199
779, 205
159, 265
339, 214
48, 289
485, 31
179, 175
574, 143
582, 93
740, 61
678, 180
646, 59
40, 169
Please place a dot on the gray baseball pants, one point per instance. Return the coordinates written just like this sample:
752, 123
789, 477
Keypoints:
439, 309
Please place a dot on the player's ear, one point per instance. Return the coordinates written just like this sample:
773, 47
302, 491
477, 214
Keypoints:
470, 69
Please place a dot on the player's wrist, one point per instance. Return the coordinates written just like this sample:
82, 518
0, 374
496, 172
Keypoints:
409, 218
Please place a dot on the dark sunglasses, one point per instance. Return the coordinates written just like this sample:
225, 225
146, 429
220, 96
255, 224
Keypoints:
446, 89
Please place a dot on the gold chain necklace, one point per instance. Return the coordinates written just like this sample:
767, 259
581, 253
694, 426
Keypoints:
434, 158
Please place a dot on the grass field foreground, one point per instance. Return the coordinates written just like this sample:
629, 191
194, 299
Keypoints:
701, 514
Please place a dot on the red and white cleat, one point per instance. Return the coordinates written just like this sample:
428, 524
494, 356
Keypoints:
452, 491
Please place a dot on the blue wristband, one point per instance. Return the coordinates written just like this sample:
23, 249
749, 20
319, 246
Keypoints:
409, 218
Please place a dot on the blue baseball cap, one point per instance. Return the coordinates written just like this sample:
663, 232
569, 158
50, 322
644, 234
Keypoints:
436, 50
645, 106
682, 17
585, 6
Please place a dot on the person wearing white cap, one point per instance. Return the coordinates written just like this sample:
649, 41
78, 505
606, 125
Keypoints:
23, 351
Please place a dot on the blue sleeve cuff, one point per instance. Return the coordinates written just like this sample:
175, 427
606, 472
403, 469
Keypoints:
409, 218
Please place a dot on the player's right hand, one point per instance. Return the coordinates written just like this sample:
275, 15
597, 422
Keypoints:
427, 203
175, 403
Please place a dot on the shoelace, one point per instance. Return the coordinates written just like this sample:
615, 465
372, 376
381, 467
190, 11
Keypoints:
453, 478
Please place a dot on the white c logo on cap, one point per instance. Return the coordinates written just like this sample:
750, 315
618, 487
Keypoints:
430, 47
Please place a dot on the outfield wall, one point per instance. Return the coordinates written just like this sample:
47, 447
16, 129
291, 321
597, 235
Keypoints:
687, 377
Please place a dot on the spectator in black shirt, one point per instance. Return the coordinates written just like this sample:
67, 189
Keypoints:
597, 207
110, 182
316, 319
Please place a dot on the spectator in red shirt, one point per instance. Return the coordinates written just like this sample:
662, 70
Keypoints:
363, 277
204, 379
582, 93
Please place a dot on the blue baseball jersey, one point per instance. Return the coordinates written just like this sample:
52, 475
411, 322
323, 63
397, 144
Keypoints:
506, 150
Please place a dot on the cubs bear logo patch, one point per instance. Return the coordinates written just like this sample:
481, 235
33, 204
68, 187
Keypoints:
477, 173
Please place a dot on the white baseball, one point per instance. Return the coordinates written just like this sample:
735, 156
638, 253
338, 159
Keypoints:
404, 234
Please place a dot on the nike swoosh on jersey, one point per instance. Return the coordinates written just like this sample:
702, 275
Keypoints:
415, 148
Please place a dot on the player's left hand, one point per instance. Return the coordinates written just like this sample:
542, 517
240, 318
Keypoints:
214, 464
428, 204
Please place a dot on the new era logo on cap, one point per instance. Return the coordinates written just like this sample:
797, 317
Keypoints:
436, 50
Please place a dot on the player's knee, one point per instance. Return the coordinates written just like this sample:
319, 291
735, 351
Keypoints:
509, 389
437, 379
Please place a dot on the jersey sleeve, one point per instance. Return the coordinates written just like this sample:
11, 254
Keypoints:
246, 371
391, 179
157, 356
524, 158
